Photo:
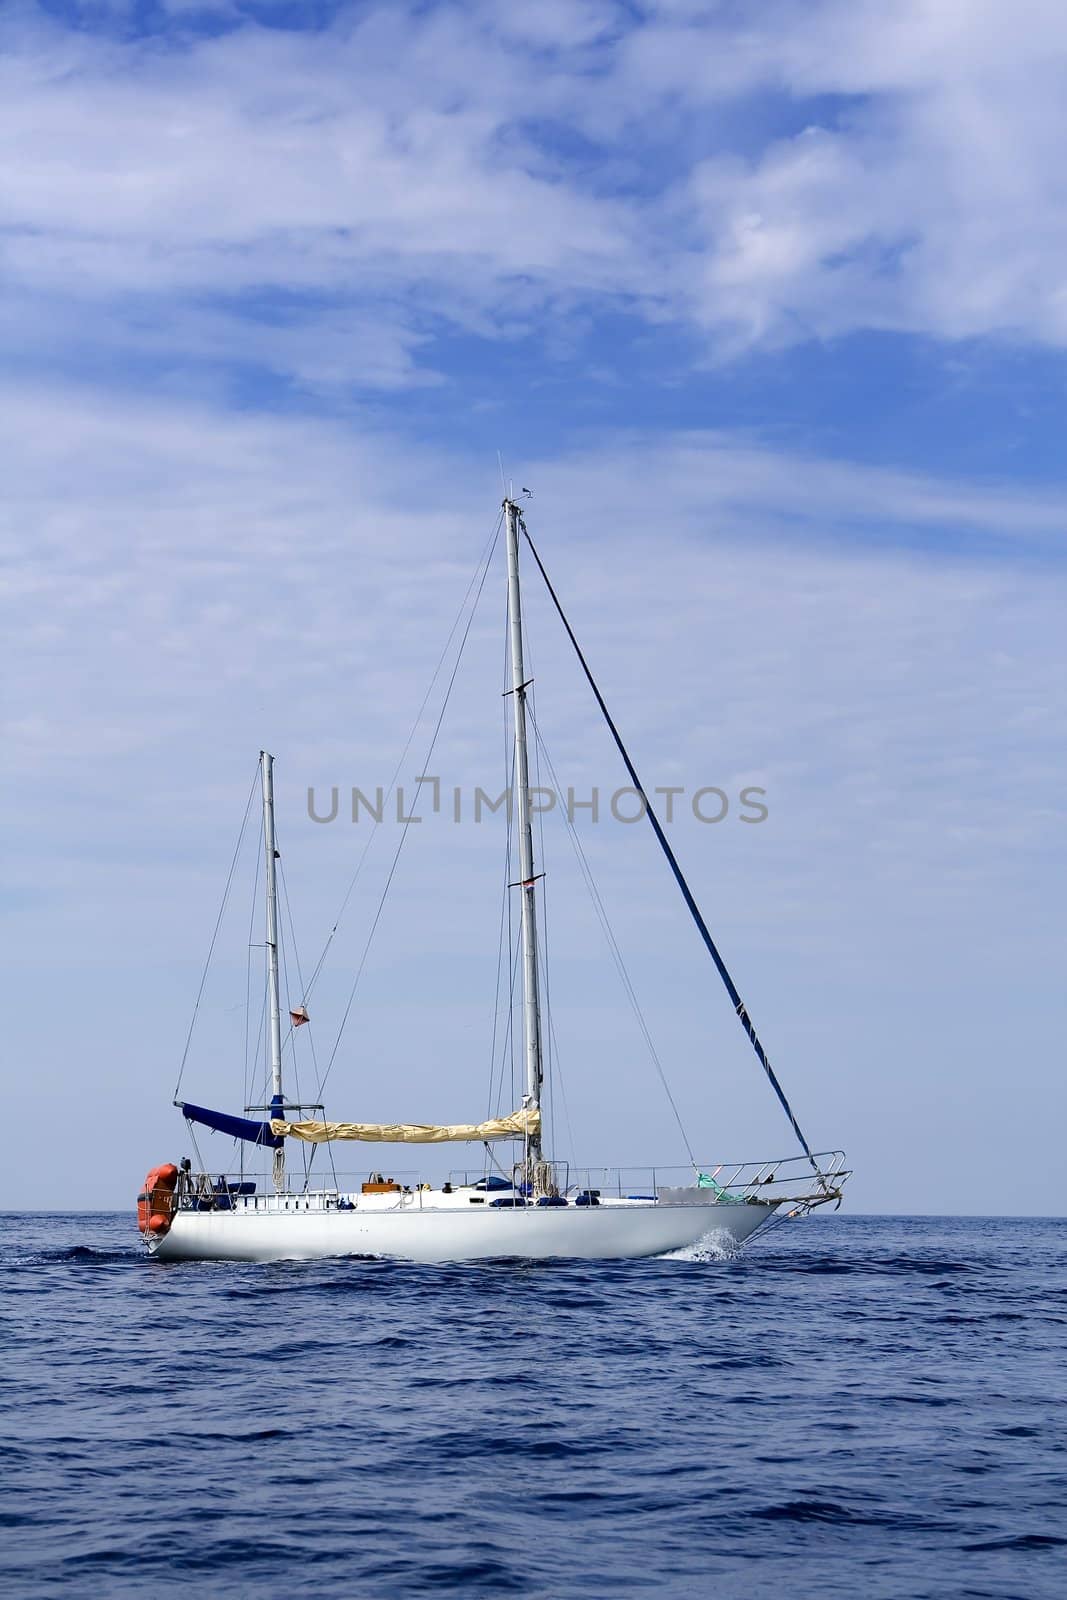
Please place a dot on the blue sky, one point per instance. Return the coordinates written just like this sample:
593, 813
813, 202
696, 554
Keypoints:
769, 307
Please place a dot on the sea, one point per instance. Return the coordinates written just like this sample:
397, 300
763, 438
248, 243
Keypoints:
853, 1406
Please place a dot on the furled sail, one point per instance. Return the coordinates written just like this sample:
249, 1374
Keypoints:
519, 1125
237, 1127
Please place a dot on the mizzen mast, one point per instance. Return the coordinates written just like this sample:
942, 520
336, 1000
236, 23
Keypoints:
277, 1101
531, 1000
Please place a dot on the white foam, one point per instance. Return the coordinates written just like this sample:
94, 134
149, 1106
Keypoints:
716, 1245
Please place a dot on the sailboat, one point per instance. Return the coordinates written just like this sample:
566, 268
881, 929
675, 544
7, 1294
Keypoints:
527, 1206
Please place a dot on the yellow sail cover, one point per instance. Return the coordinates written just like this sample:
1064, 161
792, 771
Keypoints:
520, 1124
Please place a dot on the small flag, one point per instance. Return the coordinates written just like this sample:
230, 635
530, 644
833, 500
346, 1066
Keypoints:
299, 1016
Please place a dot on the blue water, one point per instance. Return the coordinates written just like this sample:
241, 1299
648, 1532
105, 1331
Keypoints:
855, 1406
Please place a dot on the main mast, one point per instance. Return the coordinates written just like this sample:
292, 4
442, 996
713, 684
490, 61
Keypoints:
531, 1001
277, 1100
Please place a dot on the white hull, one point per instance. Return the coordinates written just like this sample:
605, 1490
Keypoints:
587, 1233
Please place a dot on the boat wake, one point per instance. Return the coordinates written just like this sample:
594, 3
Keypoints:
718, 1245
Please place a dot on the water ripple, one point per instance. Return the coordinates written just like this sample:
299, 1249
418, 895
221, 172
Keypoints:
853, 1403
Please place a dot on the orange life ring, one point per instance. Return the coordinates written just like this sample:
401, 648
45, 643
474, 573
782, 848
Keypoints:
155, 1203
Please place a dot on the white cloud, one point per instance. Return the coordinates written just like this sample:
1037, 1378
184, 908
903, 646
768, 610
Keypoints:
419, 164
370, 164
924, 191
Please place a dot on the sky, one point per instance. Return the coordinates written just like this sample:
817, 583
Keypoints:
767, 307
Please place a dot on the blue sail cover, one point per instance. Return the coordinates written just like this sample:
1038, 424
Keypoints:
236, 1127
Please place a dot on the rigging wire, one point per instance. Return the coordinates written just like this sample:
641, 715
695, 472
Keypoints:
309, 1160
507, 1053
247, 1079
613, 945
215, 934
291, 1037
500, 948
504, 935
496, 998
261, 1032
550, 1061
486, 561
679, 877
508, 1059
562, 1093
404, 753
